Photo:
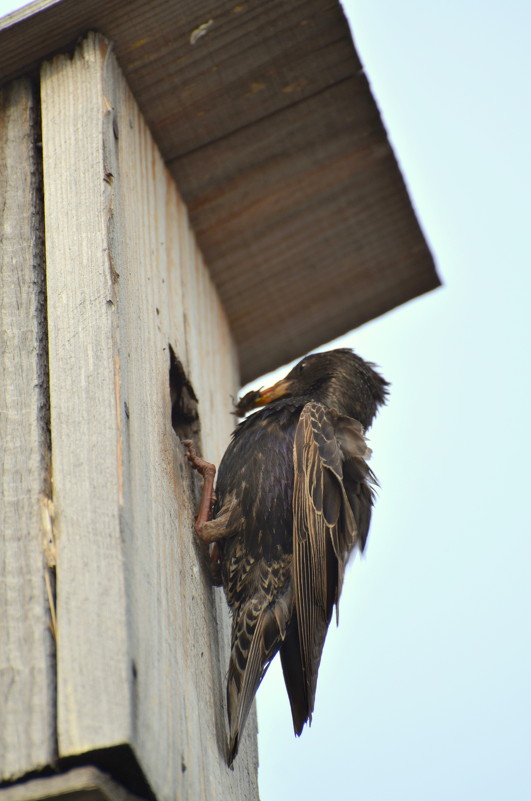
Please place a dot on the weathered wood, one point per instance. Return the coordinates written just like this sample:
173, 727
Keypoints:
27, 714
92, 651
270, 130
143, 638
80, 784
176, 641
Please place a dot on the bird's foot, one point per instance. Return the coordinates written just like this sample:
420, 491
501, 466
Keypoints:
201, 465
208, 498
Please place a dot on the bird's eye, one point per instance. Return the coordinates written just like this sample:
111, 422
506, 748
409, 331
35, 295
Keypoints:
301, 367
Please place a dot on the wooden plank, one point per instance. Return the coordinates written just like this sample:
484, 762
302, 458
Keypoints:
27, 692
179, 626
80, 784
92, 651
253, 59
129, 282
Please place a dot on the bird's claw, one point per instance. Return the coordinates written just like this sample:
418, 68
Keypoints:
199, 464
189, 450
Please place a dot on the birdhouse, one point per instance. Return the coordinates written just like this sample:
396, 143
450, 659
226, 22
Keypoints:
191, 194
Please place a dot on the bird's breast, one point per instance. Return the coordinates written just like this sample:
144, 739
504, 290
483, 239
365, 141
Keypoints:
257, 470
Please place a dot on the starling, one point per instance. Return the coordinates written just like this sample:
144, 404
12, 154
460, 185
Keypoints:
293, 499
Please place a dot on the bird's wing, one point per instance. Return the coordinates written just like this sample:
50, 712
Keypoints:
259, 626
331, 514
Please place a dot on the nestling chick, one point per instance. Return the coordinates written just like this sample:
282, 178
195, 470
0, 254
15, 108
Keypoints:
293, 499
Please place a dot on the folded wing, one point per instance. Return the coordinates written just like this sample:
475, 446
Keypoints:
332, 501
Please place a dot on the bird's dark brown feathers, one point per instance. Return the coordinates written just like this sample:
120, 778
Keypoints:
294, 499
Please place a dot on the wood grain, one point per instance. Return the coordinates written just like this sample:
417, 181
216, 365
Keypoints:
269, 128
143, 637
180, 627
27, 691
92, 650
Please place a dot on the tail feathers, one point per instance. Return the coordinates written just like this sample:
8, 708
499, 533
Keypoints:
258, 631
296, 685
301, 667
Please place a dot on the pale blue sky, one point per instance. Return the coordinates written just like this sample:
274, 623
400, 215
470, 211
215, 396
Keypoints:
425, 688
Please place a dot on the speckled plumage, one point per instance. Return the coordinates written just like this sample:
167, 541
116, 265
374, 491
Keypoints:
293, 500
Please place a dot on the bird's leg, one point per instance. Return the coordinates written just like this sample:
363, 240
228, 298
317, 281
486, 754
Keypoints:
208, 498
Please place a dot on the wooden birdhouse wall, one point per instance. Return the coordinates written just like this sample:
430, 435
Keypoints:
99, 501
27, 686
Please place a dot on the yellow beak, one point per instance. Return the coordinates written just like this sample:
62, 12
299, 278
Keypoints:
257, 398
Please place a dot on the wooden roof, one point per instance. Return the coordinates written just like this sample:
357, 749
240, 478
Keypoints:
266, 120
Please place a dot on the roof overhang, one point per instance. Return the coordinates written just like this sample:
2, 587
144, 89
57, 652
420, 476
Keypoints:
266, 120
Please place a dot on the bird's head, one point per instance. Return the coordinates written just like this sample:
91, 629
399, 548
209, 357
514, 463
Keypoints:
337, 378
